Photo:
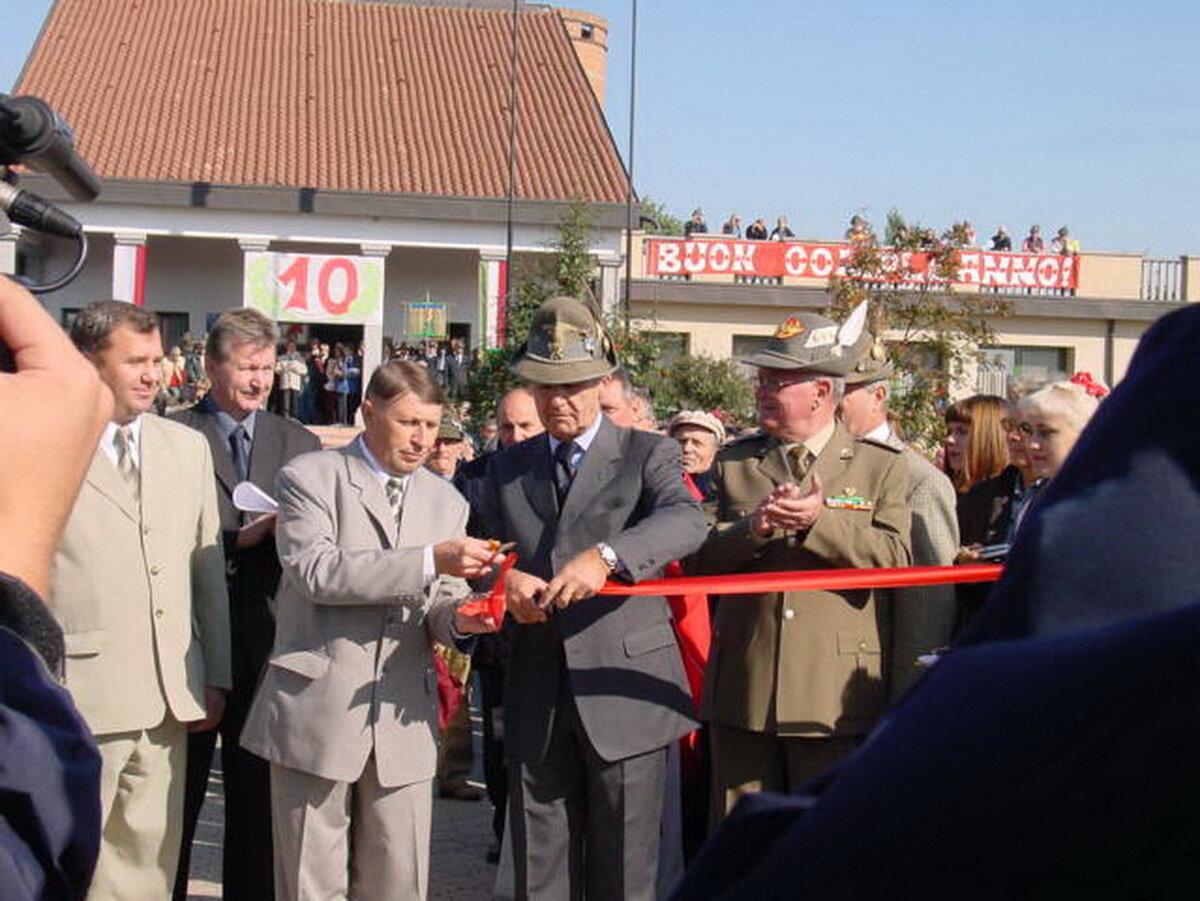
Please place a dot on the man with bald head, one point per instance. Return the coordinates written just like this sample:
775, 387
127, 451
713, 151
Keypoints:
517, 417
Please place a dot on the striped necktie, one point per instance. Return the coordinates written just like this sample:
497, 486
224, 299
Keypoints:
800, 460
395, 496
125, 462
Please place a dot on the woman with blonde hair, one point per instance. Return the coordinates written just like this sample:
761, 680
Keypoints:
1054, 417
976, 447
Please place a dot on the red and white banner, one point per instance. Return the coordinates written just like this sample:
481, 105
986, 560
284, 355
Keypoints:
795, 259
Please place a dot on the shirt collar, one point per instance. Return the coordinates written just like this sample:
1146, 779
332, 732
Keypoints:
584, 441
226, 423
108, 439
816, 443
881, 432
381, 474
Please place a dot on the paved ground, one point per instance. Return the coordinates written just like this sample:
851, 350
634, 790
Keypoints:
461, 832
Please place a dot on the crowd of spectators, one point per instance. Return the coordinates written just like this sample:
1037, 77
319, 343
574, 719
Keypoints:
860, 231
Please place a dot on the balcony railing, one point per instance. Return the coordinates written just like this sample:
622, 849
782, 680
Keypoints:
1162, 280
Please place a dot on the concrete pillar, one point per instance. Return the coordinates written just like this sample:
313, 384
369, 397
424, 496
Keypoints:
611, 272
493, 295
1189, 289
8, 251
129, 267
373, 332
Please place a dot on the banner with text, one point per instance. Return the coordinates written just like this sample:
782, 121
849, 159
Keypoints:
310, 287
795, 259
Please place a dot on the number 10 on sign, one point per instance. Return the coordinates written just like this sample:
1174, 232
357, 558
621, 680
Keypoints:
294, 287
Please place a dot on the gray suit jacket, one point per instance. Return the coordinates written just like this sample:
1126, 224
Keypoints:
621, 655
140, 593
923, 618
352, 671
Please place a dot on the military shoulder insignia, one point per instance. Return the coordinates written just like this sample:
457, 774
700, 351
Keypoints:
849, 501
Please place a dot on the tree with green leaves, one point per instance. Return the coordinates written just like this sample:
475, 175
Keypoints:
569, 269
682, 382
656, 220
932, 332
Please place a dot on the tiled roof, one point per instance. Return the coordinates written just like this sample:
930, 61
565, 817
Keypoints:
368, 97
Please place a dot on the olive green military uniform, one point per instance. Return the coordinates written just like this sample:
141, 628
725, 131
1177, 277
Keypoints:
795, 679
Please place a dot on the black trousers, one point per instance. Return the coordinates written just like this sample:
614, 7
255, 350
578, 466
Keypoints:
495, 769
582, 827
247, 853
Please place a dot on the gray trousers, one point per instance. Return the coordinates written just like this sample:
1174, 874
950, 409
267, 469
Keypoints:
582, 827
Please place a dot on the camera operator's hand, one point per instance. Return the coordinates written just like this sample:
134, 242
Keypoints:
53, 408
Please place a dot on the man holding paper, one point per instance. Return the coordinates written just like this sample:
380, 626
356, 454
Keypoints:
248, 444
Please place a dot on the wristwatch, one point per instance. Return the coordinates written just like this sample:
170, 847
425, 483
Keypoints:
608, 555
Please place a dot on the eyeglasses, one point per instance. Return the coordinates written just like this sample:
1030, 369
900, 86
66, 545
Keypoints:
779, 382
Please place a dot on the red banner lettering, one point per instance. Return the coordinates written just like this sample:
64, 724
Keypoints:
795, 259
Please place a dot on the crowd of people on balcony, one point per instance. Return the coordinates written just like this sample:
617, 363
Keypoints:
860, 231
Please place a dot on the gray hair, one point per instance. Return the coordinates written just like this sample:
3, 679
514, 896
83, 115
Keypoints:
93, 325
243, 325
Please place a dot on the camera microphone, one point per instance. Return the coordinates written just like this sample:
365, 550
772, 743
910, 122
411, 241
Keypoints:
32, 133
31, 211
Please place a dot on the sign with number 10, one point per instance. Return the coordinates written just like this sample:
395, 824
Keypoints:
309, 287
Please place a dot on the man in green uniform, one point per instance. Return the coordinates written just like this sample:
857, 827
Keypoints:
795, 679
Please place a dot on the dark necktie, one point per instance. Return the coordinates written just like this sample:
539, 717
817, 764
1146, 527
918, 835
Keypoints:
238, 439
563, 473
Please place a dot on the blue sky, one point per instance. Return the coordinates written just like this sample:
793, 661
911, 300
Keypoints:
1073, 113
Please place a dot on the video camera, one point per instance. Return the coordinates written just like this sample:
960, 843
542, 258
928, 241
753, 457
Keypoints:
34, 135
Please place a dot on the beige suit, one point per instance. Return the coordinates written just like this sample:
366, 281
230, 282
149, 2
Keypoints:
802, 664
140, 593
349, 696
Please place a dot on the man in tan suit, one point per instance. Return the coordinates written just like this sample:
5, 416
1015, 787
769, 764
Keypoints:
139, 588
795, 678
373, 551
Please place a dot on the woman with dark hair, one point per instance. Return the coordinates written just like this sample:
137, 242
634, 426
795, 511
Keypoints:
987, 512
976, 448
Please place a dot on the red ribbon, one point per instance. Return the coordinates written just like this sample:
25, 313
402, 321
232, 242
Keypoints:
493, 604
821, 580
761, 583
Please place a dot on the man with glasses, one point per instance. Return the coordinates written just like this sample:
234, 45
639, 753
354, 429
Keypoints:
796, 678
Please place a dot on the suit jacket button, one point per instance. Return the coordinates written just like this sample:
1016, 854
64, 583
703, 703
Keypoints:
159, 613
789, 613
155, 569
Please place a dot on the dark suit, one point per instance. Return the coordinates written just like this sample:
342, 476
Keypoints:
597, 691
458, 371
50, 773
1052, 752
252, 575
